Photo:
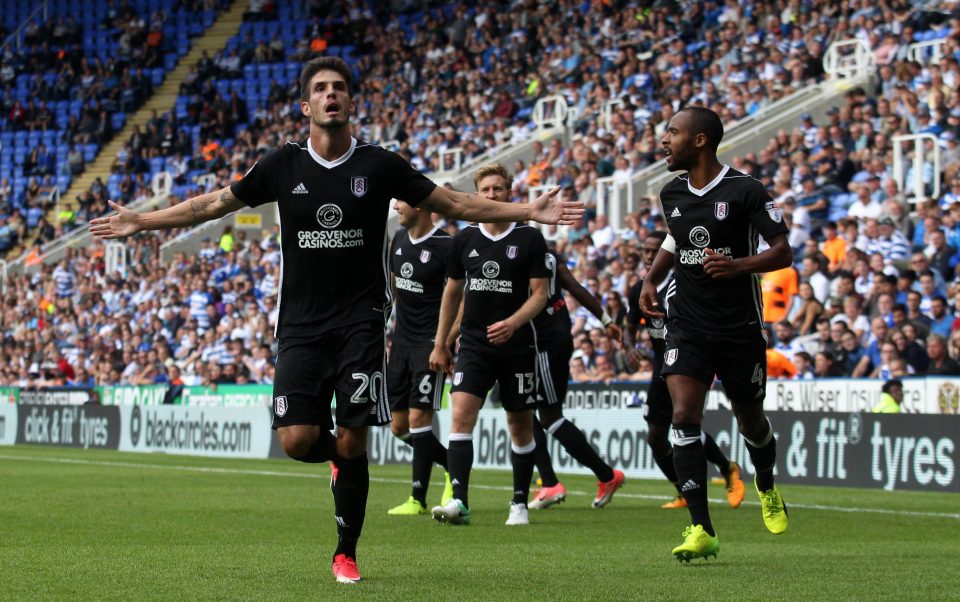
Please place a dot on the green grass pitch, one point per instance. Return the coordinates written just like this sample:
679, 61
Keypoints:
107, 525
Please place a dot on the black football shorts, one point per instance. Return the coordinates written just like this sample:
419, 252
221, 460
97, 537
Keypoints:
348, 361
410, 381
476, 372
739, 360
553, 372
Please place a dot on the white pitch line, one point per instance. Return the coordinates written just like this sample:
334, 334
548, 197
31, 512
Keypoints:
300, 475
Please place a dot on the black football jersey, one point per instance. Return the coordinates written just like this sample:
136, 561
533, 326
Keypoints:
420, 269
553, 323
728, 216
333, 217
496, 271
657, 327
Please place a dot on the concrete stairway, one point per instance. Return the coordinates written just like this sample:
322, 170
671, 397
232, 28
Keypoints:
163, 100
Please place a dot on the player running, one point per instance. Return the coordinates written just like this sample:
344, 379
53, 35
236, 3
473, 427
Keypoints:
418, 267
499, 273
658, 409
714, 312
554, 350
333, 194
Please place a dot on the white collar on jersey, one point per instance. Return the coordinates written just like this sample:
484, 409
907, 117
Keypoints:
335, 162
711, 185
498, 236
417, 241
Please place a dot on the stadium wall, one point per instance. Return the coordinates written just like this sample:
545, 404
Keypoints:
849, 449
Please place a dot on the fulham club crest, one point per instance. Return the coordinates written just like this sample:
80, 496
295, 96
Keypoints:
358, 186
280, 408
511, 251
671, 357
424, 256
721, 210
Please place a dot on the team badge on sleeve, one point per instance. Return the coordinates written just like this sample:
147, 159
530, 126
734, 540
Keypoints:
358, 186
458, 378
720, 210
280, 406
774, 212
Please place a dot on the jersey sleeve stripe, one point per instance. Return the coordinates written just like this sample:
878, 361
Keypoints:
755, 290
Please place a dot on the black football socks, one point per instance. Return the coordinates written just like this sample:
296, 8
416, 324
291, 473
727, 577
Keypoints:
542, 456
421, 440
714, 455
763, 454
522, 459
665, 462
690, 461
459, 462
575, 442
350, 489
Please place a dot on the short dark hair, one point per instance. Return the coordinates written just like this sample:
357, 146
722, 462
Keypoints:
659, 235
707, 122
890, 384
324, 63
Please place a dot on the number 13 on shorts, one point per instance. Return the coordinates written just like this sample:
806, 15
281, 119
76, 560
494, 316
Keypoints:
525, 382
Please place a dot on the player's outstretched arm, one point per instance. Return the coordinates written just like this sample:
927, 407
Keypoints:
777, 257
500, 332
586, 299
199, 209
649, 302
440, 358
546, 209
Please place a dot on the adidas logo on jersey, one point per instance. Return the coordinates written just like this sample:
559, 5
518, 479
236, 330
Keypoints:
473, 253
300, 189
690, 485
399, 251
676, 212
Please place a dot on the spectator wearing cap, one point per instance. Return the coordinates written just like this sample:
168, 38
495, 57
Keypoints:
890, 243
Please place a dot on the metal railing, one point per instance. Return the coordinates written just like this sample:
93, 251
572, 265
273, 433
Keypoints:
17, 36
607, 112
550, 113
611, 194
928, 52
918, 188
115, 258
161, 185
848, 59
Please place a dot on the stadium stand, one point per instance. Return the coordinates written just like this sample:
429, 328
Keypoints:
864, 233
71, 75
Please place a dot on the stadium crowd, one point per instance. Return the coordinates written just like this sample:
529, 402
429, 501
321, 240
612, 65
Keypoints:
875, 290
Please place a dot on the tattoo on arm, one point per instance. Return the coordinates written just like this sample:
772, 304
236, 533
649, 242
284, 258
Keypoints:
198, 207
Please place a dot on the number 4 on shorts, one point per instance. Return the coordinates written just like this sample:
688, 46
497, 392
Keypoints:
757, 374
